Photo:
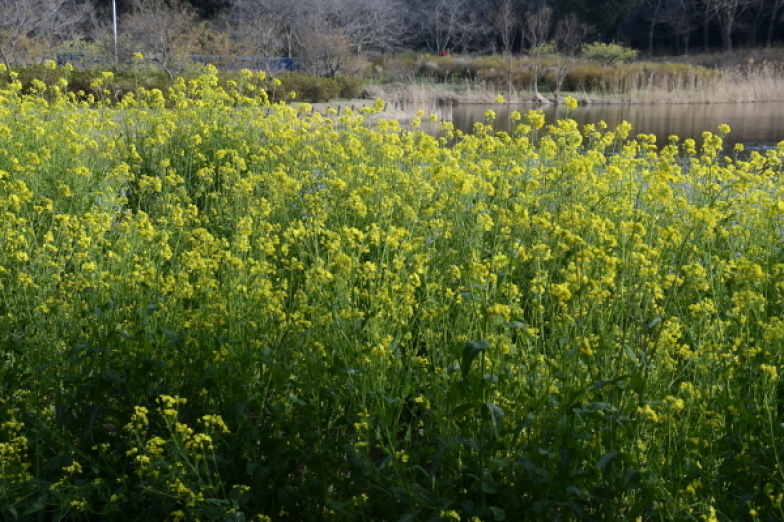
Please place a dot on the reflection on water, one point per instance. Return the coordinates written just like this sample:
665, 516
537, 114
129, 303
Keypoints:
755, 124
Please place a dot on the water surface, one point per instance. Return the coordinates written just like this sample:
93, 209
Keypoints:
758, 125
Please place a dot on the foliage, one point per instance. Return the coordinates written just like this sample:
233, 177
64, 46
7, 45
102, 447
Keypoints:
318, 89
214, 308
608, 54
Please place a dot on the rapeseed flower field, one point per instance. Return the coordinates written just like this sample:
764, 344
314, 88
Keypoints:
217, 308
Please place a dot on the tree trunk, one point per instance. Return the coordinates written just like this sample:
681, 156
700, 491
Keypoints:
705, 39
5, 60
726, 33
772, 23
652, 28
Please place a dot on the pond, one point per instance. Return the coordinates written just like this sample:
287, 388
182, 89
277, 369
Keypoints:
756, 125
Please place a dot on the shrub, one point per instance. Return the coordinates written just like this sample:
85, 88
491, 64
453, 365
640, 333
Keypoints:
315, 89
444, 68
349, 87
608, 54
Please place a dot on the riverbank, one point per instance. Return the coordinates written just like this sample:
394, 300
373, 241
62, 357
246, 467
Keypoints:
703, 79
404, 102
733, 87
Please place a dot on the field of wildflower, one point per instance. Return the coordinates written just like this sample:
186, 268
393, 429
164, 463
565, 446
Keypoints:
217, 308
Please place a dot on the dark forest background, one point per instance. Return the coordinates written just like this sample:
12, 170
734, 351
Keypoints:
320, 30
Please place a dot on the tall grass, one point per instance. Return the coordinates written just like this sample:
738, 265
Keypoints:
751, 82
225, 311
481, 79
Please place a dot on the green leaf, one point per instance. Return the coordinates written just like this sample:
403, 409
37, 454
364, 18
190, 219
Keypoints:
496, 418
654, 322
172, 335
490, 487
523, 329
606, 460
471, 350
498, 513
111, 375
38, 505
456, 392
463, 408
631, 479
562, 426
408, 517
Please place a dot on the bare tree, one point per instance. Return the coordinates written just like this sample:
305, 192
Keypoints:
445, 24
369, 24
163, 30
323, 46
655, 8
569, 35
505, 20
537, 27
267, 28
255, 29
504, 24
774, 17
680, 17
727, 13
29, 24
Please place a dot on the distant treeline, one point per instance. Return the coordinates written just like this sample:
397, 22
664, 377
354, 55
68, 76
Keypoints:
326, 32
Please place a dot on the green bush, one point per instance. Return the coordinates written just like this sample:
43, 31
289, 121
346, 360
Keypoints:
608, 54
350, 87
444, 68
314, 89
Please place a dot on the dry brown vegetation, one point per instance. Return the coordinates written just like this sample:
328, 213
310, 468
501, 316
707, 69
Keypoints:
427, 81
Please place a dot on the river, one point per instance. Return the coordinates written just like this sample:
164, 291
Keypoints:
756, 125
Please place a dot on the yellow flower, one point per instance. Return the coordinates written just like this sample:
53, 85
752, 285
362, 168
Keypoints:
771, 372
402, 456
78, 505
561, 291
536, 118
648, 413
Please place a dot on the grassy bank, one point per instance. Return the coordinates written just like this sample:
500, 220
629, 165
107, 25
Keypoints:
425, 81
226, 311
